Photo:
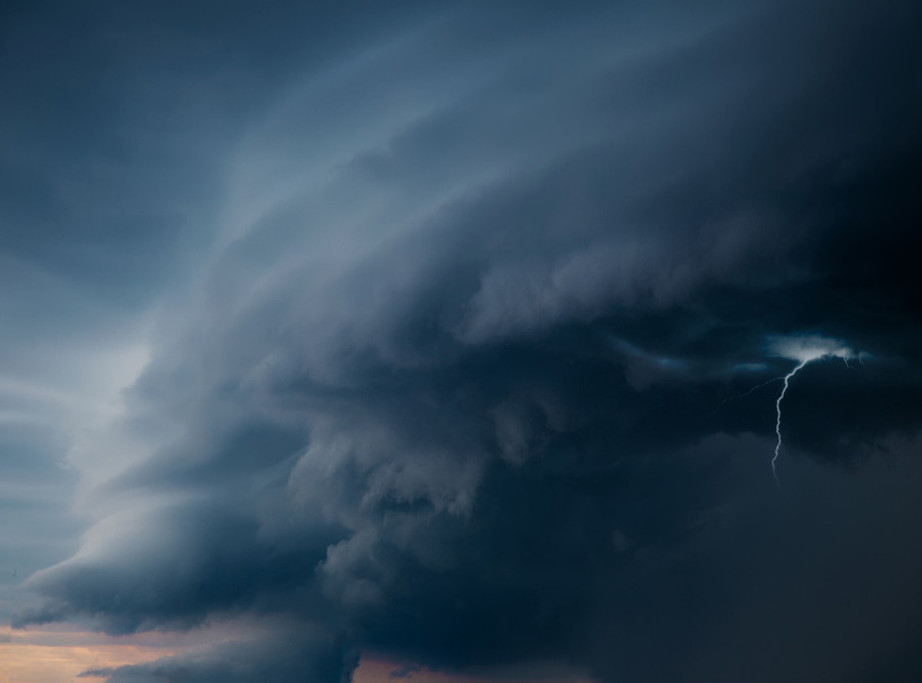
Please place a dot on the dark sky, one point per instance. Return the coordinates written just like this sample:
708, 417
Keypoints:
454, 334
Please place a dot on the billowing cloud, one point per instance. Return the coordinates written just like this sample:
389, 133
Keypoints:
462, 353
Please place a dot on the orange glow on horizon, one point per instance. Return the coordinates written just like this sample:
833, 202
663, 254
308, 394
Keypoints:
56, 655
375, 669
51, 656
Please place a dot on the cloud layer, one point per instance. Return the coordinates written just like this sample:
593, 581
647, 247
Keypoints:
439, 356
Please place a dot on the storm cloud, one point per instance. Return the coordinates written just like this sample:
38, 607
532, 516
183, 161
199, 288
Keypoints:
461, 324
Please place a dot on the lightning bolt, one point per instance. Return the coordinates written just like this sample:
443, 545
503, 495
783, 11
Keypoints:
839, 353
804, 349
745, 393
784, 390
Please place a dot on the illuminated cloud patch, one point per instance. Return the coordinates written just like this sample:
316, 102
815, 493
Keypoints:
809, 348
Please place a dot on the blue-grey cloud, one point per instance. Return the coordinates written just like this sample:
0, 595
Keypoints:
442, 320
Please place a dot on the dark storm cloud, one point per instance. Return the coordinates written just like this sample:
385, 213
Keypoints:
451, 382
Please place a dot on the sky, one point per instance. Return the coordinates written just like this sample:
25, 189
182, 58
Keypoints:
460, 342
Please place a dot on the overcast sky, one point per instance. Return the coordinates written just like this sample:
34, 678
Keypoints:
451, 338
